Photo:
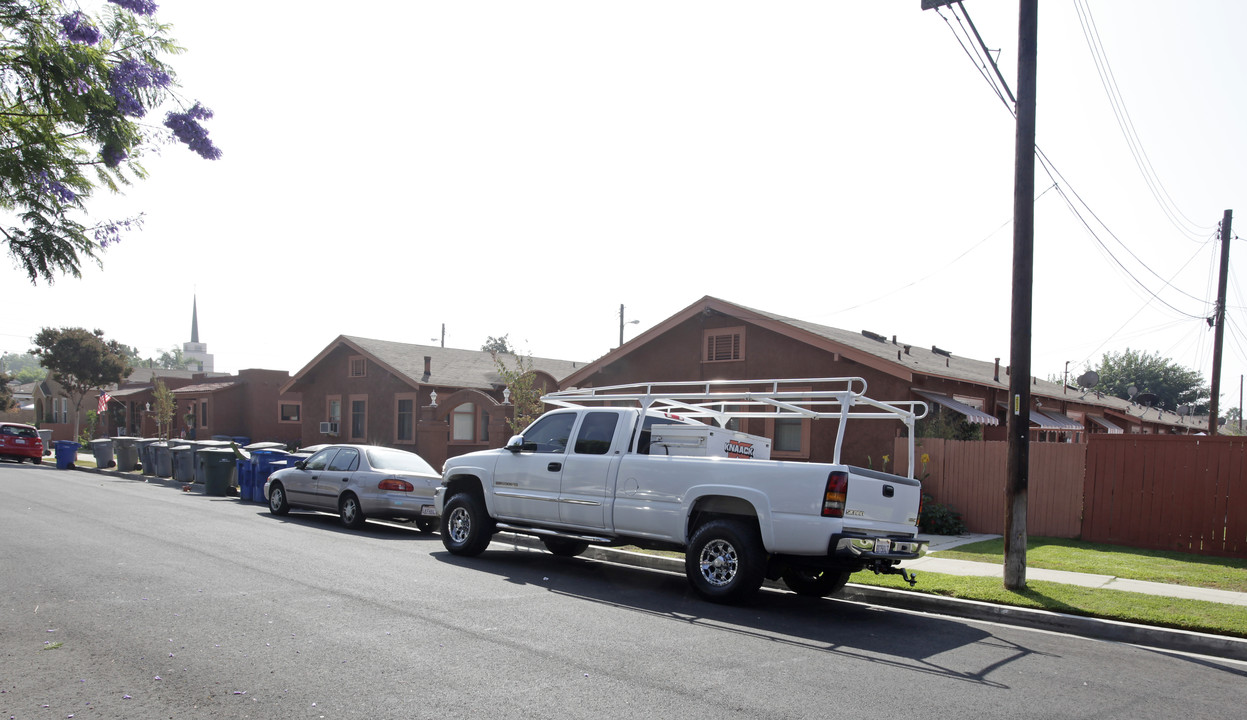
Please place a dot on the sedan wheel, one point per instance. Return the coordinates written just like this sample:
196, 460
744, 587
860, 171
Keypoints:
277, 503
351, 513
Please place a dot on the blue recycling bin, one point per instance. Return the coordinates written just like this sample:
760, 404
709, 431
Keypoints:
66, 454
273, 467
264, 463
246, 479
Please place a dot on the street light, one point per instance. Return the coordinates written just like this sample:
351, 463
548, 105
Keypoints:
622, 323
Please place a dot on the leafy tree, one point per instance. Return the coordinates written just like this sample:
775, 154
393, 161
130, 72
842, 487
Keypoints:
172, 359
496, 345
164, 406
81, 361
525, 391
1172, 384
74, 89
24, 368
6, 393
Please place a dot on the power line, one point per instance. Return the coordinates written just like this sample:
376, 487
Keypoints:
1126, 124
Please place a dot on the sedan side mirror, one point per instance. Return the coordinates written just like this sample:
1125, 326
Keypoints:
302, 464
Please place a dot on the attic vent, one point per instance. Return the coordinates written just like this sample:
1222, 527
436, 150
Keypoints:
938, 351
874, 336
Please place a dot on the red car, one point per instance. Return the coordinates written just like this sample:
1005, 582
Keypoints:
19, 441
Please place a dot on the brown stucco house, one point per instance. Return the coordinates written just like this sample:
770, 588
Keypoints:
437, 402
249, 405
714, 339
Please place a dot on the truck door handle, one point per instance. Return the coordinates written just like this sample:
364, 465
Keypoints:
888, 491
554, 467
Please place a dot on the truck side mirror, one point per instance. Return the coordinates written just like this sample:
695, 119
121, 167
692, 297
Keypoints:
515, 444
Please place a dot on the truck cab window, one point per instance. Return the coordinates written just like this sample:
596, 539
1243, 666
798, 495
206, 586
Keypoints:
550, 434
596, 432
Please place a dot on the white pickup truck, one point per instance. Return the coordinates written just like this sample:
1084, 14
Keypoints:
661, 466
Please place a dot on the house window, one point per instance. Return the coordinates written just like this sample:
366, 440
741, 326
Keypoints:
724, 344
333, 407
359, 417
203, 413
790, 437
463, 423
358, 366
405, 419
289, 412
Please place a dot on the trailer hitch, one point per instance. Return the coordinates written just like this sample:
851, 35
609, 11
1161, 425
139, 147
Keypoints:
882, 568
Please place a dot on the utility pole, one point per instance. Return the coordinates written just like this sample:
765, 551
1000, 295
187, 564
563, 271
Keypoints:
1219, 315
1017, 483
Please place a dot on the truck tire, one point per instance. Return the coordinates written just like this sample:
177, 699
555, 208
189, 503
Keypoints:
466, 528
815, 583
725, 561
564, 547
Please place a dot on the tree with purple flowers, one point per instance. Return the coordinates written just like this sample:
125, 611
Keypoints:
80, 97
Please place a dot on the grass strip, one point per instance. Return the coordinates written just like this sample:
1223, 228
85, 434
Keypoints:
1131, 563
1195, 615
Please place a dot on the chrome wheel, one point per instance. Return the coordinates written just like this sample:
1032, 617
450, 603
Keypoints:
458, 525
719, 563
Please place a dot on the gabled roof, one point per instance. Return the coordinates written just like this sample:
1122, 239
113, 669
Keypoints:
888, 355
450, 367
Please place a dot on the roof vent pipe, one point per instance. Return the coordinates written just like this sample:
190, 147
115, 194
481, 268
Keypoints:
996, 375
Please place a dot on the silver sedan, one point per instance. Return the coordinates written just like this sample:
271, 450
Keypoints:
358, 482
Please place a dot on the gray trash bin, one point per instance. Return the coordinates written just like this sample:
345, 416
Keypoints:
46, 437
183, 463
147, 454
102, 449
217, 465
127, 452
162, 458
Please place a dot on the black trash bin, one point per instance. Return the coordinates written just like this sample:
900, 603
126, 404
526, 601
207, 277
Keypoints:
218, 465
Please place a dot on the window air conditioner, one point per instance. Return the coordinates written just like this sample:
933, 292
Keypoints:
329, 428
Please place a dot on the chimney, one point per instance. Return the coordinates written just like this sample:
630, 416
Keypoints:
428, 365
893, 339
996, 375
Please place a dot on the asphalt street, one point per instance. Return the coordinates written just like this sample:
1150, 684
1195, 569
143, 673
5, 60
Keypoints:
124, 599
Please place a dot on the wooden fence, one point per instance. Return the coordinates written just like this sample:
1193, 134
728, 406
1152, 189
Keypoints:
1168, 492
970, 476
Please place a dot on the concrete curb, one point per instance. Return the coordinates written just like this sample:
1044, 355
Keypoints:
1221, 646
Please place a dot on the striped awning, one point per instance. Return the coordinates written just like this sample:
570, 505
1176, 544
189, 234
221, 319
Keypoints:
1063, 422
974, 415
1110, 427
1049, 420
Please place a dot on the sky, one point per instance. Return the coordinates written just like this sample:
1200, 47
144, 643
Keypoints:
524, 168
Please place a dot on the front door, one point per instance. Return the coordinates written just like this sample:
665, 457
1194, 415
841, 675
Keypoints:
526, 483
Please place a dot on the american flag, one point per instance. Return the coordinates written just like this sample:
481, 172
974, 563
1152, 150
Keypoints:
104, 398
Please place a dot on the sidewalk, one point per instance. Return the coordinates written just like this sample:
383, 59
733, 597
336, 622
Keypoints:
932, 562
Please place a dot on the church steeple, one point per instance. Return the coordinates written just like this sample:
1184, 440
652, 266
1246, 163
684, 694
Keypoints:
194, 319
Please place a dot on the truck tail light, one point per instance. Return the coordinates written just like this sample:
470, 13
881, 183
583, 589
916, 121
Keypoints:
395, 484
835, 494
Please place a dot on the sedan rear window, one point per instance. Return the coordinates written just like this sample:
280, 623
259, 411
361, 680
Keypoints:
399, 461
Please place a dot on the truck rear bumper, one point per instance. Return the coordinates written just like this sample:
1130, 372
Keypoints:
866, 548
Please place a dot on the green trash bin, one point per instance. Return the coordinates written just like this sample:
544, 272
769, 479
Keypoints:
218, 470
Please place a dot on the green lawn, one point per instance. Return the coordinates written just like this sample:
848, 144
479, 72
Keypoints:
1130, 563
1194, 615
